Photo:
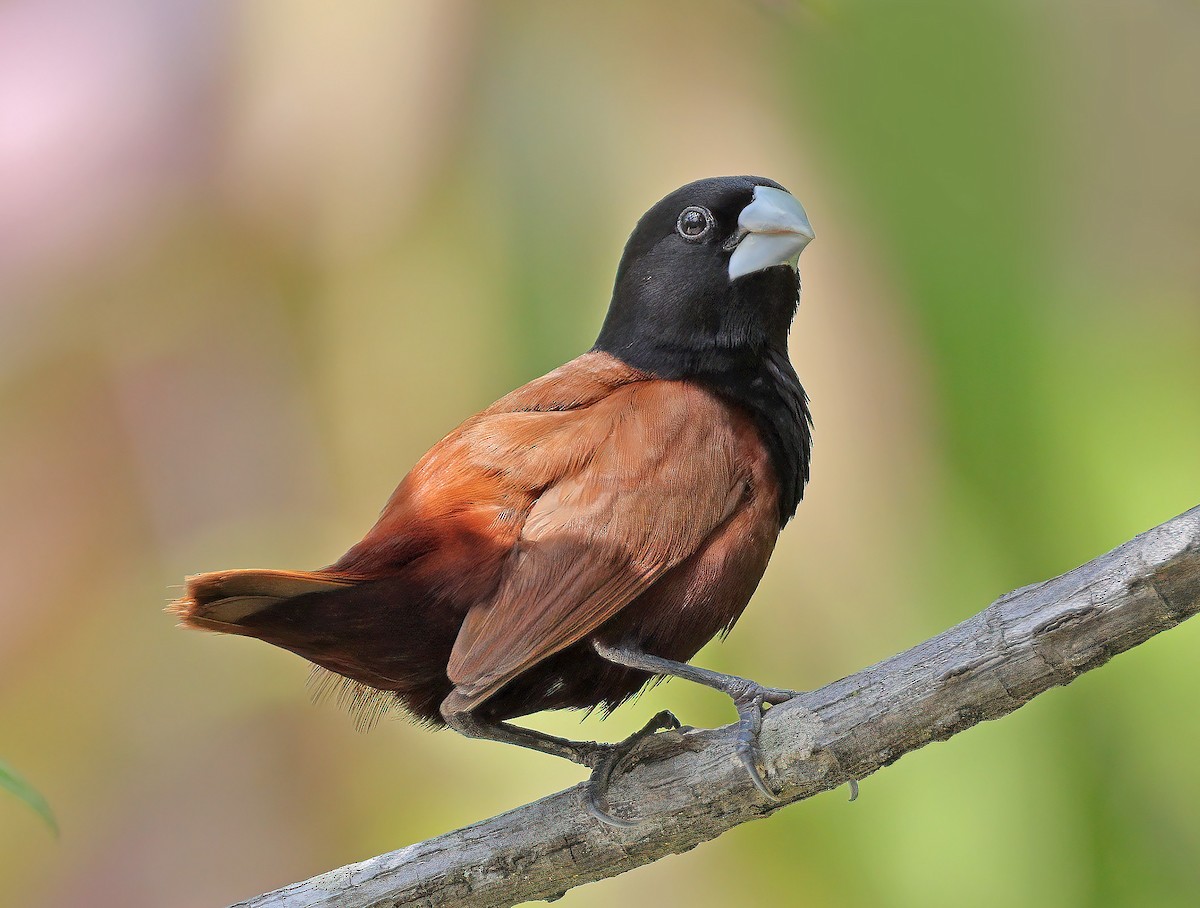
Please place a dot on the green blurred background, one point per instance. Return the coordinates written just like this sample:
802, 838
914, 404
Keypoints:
255, 258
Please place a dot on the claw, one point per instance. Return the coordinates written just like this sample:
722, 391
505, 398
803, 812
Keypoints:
750, 710
749, 756
596, 791
592, 807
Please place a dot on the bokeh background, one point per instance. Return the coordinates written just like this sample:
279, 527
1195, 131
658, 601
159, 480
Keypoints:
256, 257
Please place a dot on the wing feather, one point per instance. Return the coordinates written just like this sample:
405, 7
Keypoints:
660, 477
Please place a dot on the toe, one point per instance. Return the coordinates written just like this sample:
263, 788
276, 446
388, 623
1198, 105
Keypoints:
747, 746
666, 721
607, 758
777, 695
748, 755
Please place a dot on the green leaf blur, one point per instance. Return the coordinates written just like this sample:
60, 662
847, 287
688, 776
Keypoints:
10, 781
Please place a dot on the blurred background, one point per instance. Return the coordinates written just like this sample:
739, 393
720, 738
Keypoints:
256, 258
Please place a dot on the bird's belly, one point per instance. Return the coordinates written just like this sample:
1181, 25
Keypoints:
673, 619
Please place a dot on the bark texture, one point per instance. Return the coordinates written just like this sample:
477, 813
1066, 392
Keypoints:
688, 787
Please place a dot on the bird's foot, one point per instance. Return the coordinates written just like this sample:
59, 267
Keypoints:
605, 760
751, 701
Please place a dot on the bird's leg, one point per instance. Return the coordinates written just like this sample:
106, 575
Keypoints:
748, 696
601, 759
585, 753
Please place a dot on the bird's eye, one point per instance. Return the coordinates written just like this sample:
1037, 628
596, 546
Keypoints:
694, 223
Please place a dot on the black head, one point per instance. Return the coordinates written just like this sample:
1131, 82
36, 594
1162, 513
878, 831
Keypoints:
706, 290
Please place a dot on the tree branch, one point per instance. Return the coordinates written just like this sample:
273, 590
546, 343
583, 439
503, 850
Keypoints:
689, 788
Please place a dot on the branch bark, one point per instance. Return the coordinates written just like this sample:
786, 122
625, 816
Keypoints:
688, 787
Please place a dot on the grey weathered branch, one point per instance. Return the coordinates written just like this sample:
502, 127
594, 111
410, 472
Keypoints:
689, 788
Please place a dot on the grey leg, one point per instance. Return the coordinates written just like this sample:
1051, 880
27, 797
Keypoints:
747, 696
585, 753
601, 759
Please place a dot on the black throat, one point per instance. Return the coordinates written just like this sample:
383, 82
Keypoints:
735, 345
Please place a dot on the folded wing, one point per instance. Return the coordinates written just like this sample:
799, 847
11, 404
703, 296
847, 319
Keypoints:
659, 476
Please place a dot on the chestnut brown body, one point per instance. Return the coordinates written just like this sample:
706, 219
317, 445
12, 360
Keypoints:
501, 553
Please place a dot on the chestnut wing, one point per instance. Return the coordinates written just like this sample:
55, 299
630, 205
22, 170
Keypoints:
660, 472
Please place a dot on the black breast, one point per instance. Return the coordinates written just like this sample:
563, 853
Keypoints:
772, 393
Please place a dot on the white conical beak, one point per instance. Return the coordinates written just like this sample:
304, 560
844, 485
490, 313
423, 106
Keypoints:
774, 231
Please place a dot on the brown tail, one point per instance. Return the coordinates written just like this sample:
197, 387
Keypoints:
221, 601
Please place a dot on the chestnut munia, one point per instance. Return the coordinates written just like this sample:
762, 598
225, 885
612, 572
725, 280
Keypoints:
594, 528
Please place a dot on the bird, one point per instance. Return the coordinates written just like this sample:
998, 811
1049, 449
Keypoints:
589, 532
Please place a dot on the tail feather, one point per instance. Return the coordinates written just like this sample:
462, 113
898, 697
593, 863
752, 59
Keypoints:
384, 642
221, 601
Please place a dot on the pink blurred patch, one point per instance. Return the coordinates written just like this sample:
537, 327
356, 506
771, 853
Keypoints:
97, 123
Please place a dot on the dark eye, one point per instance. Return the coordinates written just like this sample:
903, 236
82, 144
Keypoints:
694, 223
